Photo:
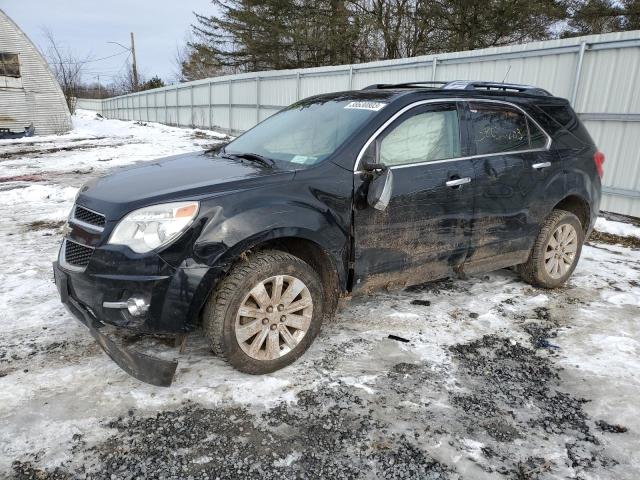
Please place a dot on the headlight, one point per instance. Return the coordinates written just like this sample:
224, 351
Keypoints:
152, 227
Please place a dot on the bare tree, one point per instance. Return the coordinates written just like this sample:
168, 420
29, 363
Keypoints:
67, 69
126, 83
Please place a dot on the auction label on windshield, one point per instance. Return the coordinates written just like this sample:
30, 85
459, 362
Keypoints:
375, 106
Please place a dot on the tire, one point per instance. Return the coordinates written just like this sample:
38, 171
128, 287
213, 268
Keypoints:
539, 270
234, 337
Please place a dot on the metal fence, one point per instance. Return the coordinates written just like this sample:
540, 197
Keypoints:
599, 74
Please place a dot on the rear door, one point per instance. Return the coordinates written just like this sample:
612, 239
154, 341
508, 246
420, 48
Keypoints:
511, 165
424, 232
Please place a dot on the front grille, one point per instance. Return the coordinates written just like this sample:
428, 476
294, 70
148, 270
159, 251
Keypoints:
87, 216
76, 254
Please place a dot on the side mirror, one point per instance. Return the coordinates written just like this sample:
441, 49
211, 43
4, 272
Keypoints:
380, 189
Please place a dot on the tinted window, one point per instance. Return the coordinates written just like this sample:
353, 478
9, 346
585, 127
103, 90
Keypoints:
9, 65
423, 137
560, 113
537, 138
497, 128
306, 132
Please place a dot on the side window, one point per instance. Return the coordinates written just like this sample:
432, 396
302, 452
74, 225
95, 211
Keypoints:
9, 65
537, 137
499, 128
423, 137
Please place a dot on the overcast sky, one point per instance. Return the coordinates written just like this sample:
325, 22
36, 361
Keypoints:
85, 26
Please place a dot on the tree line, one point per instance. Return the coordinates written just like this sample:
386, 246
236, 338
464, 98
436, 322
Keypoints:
255, 35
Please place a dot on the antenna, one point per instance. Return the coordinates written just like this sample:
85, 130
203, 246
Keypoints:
506, 74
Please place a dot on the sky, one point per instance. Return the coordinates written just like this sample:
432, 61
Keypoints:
85, 27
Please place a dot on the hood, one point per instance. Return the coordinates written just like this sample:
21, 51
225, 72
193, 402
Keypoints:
185, 176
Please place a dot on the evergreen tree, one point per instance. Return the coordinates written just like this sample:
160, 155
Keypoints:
153, 82
254, 35
631, 10
594, 16
473, 24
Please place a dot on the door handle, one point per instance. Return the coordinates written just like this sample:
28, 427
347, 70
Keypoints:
540, 166
458, 181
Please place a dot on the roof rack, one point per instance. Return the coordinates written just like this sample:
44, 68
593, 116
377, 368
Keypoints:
505, 87
377, 86
466, 85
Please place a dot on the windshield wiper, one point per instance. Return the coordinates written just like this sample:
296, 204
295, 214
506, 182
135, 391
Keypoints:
253, 157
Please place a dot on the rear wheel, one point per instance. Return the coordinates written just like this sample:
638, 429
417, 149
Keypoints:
556, 251
265, 313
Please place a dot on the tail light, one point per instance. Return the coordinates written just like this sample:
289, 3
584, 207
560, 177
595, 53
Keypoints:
598, 159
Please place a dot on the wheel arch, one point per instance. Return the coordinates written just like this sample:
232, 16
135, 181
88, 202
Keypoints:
299, 242
577, 205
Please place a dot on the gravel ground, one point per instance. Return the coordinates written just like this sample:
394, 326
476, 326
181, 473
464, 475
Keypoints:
497, 379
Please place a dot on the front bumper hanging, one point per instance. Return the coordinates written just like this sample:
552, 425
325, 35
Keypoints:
145, 368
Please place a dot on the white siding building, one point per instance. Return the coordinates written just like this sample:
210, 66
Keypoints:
29, 93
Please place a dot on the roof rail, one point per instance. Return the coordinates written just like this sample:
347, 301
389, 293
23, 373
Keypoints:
429, 84
505, 87
465, 85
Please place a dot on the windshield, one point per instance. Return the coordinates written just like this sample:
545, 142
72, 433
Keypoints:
306, 132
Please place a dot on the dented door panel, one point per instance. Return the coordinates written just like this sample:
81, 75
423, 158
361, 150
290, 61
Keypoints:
422, 235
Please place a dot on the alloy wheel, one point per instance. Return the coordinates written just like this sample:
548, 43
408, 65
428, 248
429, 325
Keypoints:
274, 317
560, 253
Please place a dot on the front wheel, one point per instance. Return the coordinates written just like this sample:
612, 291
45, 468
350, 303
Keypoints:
265, 313
556, 251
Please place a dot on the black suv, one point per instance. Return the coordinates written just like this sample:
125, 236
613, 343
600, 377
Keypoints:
336, 195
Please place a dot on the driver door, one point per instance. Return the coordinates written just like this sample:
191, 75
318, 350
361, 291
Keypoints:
424, 232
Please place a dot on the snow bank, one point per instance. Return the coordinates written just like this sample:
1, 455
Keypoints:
617, 228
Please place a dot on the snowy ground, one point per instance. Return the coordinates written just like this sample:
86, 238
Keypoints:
498, 379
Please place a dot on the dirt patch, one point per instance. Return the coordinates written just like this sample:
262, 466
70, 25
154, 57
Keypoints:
607, 427
44, 225
612, 239
28, 152
23, 178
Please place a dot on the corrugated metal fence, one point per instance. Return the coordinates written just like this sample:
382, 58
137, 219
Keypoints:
600, 74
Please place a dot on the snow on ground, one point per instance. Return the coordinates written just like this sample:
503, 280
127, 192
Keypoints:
498, 379
617, 228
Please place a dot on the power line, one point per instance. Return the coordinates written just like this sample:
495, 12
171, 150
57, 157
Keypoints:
89, 61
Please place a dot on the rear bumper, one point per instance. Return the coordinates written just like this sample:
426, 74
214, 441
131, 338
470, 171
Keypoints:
154, 371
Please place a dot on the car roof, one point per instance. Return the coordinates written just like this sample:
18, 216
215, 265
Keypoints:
455, 89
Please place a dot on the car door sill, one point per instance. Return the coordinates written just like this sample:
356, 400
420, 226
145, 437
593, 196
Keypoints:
496, 262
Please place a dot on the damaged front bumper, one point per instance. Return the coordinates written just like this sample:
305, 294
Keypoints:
145, 368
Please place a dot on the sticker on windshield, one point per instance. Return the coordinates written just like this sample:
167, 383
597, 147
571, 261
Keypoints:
375, 106
303, 159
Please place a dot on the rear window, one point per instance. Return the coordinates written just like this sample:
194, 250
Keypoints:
562, 117
499, 128
9, 65
560, 113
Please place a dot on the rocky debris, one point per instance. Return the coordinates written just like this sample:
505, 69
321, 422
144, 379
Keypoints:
585, 456
26, 471
326, 434
609, 428
422, 303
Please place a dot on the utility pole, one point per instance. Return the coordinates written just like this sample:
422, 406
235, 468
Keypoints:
134, 66
99, 88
